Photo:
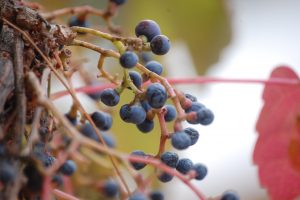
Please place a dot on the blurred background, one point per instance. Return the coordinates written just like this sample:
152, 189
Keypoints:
227, 39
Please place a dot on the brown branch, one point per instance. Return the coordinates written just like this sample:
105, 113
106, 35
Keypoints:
19, 126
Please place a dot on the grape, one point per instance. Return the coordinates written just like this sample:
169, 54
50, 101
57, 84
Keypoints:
165, 177
146, 106
148, 28
154, 67
95, 95
110, 97
128, 59
138, 196
230, 195
156, 95
45, 134
118, 2
205, 116
48, 160
160, 45
194, 107
102, 120
68, 168
169, 158
156, 195
184, 165
138, 165
146, 126
111, 188
201, 171
75, 21
58, 180
136, 79
191, 97
88, 131
180, 140
7, 172
145, 57
132, 114
72, 120
194, 135
170, 114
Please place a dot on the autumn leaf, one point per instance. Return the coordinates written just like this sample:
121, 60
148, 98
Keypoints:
277, 151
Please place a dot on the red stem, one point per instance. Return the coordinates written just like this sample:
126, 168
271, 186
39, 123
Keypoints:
164, 132
197, 80
63, 195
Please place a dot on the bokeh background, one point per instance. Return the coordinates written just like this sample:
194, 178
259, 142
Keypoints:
227, 39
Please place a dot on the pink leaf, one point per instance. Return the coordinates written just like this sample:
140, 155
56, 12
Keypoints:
277, 151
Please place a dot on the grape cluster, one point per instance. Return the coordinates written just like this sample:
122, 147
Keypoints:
153, 99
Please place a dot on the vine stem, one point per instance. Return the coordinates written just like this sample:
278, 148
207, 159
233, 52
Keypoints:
164, 132
198, 80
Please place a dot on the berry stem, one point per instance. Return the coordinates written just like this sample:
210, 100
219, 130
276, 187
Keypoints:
164, 135
62, 195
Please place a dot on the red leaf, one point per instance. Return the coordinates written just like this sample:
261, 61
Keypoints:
277, 151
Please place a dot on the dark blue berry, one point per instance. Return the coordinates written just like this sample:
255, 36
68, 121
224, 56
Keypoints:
45, 134
7, 172
148, 28
68, 168
72, 120
132, 114
118, 2
194, 135
156, 195
48, 160
160, 45
184, 165
58, 180
136, 78
95, 95
138, 165
169, 158
102, 120
146, 126
146, 106
180, 140
191, 97
204, 116
230, 195
165, 177
156, 95
154, 67
76, 21
145, 57
128, 59
201, 171
111, 188
138, 196
194, 107
88, 131
110, 97
171, 113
